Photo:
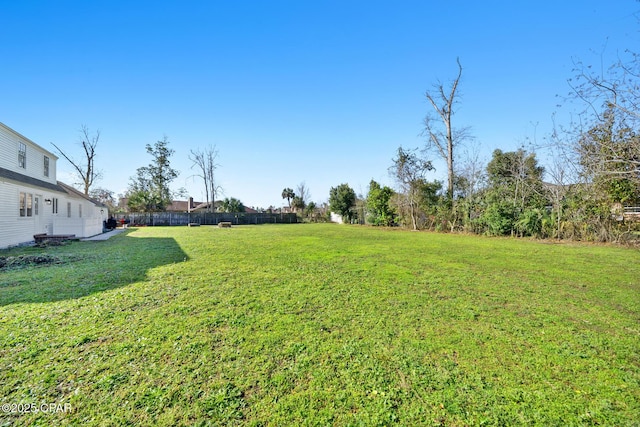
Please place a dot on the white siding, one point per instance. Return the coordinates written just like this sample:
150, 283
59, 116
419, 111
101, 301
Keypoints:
88, 225
8, 150
15, 229
9, 142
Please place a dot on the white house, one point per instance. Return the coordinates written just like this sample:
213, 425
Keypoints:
32, 201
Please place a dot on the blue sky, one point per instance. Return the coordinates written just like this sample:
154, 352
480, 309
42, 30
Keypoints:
321, 92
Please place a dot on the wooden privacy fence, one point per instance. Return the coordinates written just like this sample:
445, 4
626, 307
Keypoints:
184, 218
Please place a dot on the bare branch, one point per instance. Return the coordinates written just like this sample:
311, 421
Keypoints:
207, 165
444, 141
85, 170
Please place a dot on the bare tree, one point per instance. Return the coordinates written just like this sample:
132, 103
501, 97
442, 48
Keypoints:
470, 178
205, 161
85, 169
606, 133
470, 174
557, 190
104, 196
302, 191
440, 134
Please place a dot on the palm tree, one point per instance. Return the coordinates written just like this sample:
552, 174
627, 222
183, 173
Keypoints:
288, 194
231, 205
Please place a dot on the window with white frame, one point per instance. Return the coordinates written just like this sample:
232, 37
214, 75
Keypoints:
26, 204
79, 211
54, 206
46, 166
22, 155
36, 205
23, 204
69, 209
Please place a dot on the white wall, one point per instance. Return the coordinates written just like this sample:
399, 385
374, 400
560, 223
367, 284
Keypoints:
336, 218
9, 142
15, 229
89, 224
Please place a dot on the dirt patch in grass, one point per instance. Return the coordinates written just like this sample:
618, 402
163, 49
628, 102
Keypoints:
21, 261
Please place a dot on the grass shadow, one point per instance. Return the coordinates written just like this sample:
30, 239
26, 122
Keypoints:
85, 268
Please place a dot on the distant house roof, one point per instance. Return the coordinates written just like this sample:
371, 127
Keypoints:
216, 206
188, 205
204, 206
70, 190
15, 176
182, 205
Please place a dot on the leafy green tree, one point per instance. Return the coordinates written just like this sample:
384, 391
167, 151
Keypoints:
514, 168
311, 211
140, 196
409, 171
297, 203
533, 222
497, 219
431, 203
149, 190
342, 199
231, 204
609, 155
608, 137
379, 207
602, 147
515, 189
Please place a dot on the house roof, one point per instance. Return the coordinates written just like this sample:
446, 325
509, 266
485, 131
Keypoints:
202, 206
60, 187
182, 205
70, 190
216, 206
35, 182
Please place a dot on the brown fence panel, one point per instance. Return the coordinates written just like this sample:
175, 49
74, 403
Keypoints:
202, 218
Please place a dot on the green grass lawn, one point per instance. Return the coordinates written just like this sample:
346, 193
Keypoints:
321, 325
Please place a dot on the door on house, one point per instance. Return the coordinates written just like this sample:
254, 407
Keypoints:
37, 214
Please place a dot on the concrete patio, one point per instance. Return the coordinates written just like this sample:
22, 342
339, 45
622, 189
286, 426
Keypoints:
103, 236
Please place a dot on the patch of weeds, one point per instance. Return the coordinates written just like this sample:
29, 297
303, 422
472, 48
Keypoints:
112, 381
22, 261
225, 404
49, 243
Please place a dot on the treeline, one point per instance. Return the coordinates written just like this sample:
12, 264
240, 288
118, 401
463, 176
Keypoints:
508, 198
594, 172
